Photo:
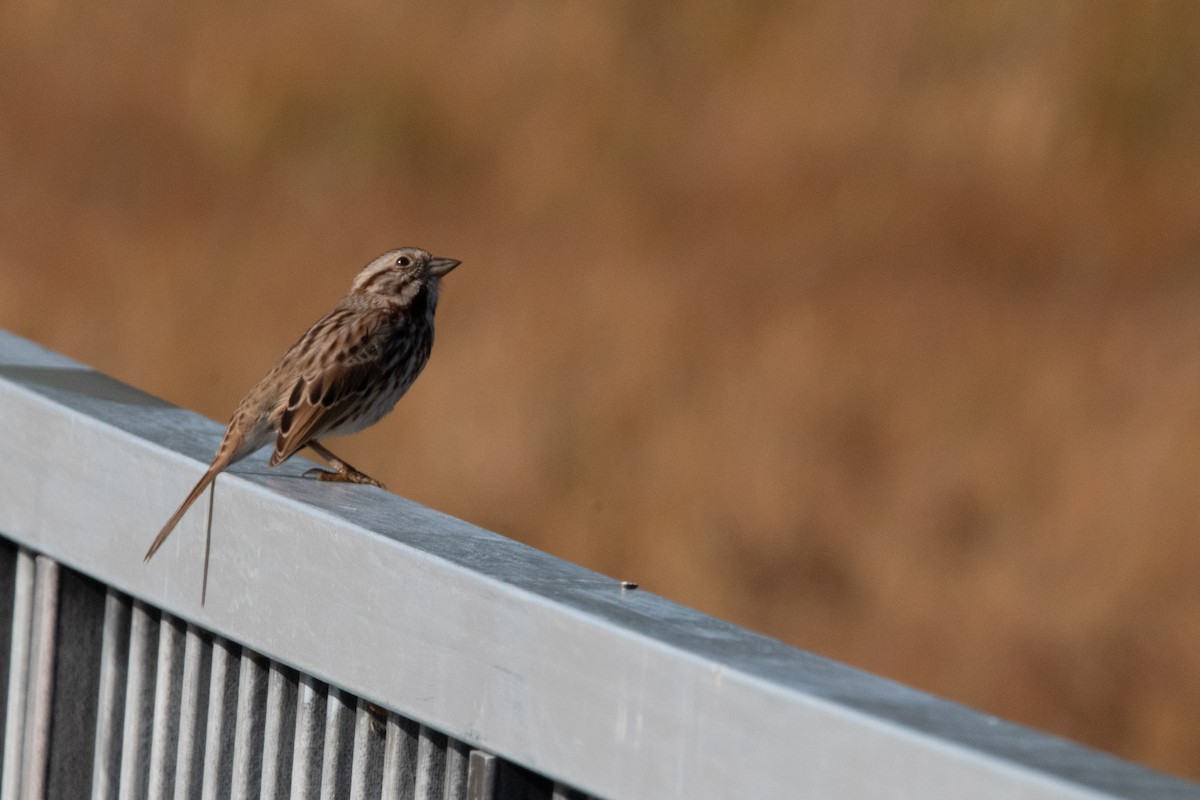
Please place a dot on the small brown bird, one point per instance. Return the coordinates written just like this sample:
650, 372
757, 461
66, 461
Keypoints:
344, 374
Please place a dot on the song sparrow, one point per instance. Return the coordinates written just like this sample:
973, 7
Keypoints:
345, 373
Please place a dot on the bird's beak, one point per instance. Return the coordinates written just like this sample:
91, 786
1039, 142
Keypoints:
440, 266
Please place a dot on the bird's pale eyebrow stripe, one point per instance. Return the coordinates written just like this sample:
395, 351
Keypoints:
383, 270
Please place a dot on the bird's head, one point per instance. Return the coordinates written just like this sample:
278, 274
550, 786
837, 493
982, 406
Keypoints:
400, 274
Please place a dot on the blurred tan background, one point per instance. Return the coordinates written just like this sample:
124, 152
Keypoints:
872, 326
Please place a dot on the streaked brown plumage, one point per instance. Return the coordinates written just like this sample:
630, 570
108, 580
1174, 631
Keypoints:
345, 373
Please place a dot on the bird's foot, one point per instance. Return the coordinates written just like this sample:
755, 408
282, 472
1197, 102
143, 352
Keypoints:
349, 475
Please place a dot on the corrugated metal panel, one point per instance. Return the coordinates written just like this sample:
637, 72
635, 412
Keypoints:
178, 713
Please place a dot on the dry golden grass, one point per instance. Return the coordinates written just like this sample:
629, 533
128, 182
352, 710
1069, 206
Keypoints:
872, 328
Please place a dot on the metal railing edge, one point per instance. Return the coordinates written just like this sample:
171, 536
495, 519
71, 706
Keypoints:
790, 712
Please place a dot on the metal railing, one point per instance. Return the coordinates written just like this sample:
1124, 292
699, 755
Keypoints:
355, 644
112, 698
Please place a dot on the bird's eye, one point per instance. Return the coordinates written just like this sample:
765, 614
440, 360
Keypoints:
403, 261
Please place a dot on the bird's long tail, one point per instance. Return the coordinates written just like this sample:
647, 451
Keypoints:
197, 490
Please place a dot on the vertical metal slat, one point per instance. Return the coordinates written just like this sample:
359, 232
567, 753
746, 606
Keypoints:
78, 651
310, 739
164, 735
337, 757
39, 698
193, 708
262, 728
481, 776
431, 765
457, 755
139, 704
18, 675
279, 733
219, 729
367, 768
110, 717
562, 792
248, 732
400, 758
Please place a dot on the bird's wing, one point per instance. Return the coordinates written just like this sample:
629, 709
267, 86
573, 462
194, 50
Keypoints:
332, 391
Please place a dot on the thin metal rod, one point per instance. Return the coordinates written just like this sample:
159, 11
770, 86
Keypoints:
481, 776
458, 756
310, 739
164, 737
222, 713
366, 772
18, 675
248, 732
400, 758
139, 704
110, 714
193, 713
279, 733
40, 697
431, 765
336, 757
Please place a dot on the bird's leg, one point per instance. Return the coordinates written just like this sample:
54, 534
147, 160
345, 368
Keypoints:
342, 471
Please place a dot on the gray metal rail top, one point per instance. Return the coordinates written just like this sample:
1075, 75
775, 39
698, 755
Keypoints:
355, 644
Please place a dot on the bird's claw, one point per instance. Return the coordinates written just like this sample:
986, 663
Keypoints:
350, 476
